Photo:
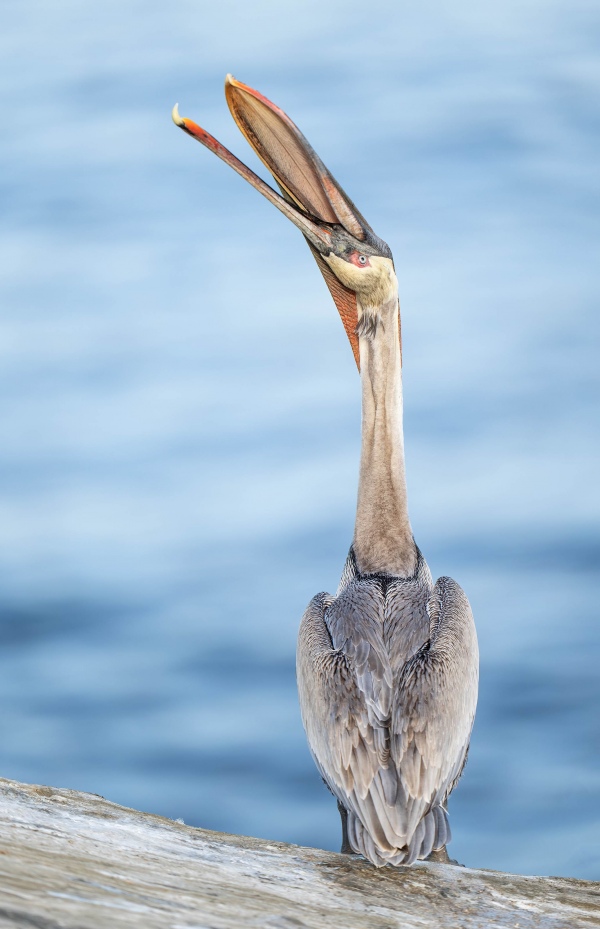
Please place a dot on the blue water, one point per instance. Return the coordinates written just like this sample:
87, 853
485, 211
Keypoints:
180, 410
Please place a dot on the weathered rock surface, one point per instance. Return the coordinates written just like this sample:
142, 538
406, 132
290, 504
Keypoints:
76, 861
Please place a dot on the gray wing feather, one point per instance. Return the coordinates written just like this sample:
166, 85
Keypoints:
390, 742
345, 686
434, 705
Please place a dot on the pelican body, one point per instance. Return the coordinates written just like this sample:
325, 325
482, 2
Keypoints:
388, 667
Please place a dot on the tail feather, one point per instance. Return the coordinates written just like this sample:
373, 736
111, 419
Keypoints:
442, 828
428, 836
431, 833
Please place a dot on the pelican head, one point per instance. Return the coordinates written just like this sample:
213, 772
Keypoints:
356, 264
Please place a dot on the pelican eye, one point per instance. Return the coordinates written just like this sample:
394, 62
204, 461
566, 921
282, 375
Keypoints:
358, 260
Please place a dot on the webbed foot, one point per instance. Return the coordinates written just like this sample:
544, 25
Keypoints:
441, 855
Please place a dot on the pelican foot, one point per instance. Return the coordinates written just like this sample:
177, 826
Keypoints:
346, 848
441, 855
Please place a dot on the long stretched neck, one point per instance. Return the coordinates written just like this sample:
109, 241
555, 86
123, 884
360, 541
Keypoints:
383, 540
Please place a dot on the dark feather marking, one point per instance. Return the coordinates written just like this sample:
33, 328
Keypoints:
368, 324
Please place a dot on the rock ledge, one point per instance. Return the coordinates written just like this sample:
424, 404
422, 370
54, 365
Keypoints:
76, 861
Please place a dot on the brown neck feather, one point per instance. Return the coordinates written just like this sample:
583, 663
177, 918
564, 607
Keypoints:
383, 541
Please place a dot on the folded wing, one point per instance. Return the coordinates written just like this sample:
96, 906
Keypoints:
390, 745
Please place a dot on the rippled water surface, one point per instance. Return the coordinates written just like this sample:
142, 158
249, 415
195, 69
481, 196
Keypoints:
180, 411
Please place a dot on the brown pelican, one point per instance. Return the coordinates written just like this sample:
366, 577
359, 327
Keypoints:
388, 667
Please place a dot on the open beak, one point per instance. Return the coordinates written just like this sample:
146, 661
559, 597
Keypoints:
312, 199
319, 237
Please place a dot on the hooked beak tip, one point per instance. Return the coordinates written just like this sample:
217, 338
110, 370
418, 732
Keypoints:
188, 125
177, 119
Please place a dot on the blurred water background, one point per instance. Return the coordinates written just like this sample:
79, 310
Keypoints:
180, 411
